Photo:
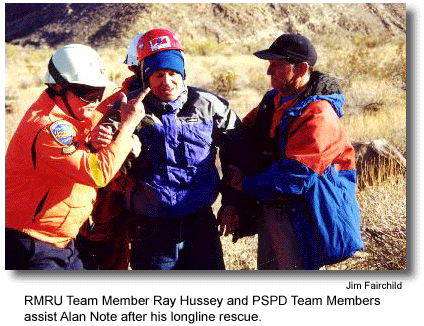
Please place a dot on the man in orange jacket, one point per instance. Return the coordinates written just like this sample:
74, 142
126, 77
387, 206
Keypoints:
51, 175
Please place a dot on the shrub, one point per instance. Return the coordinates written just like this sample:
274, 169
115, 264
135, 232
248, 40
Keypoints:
203, 47
10, 100
224, 82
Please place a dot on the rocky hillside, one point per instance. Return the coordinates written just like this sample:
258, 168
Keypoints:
114, 25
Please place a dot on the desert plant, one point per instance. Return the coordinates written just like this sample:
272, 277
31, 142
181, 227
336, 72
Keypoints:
10, 100
203, 47
224, 82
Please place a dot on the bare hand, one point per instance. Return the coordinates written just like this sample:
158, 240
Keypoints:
132, 112
228, 220
101, 136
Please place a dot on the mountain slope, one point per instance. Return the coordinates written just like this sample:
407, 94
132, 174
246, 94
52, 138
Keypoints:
106, 25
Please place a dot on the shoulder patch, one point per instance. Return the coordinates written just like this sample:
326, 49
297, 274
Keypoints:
63, 132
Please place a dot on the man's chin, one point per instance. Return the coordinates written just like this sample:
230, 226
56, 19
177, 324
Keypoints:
168, 96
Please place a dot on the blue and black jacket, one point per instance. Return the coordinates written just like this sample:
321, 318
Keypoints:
175, 175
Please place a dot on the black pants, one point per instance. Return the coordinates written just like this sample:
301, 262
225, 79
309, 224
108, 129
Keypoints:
189, 243
26, 253
93, 254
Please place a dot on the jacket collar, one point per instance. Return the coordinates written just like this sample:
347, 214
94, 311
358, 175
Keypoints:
320, 87
337, 101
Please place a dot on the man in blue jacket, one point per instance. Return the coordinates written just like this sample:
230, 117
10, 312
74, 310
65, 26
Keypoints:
173, 183
299, 166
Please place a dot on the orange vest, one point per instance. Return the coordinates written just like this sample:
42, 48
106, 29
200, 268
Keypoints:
51, 187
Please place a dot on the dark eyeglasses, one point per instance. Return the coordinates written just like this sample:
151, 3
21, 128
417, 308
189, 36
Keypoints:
88, 94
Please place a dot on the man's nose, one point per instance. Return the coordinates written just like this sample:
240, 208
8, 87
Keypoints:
270, 71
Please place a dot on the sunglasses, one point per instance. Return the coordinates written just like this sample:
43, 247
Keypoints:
88, 94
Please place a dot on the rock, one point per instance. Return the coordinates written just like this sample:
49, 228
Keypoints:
376, 161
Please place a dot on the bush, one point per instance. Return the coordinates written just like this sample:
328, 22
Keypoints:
224, 82
203, 47
10, 100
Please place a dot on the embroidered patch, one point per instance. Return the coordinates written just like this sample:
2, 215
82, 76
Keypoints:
63, 132
192, 119
70, 149
158, 43
189, 119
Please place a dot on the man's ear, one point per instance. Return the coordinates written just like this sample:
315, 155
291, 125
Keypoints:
303, 68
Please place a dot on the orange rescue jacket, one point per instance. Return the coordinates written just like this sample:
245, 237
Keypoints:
51, 181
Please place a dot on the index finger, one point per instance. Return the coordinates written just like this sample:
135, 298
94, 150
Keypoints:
141, 96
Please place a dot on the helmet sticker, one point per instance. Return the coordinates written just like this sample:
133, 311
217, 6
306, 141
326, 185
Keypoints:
158, 43
156, 40
141, 46
63, 132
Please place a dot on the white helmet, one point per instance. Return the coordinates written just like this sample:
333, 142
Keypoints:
76, 64
131, 58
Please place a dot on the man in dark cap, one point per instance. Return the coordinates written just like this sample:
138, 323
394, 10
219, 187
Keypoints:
299, 166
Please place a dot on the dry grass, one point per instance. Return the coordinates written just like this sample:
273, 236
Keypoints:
371, 71
240, 255
389, 121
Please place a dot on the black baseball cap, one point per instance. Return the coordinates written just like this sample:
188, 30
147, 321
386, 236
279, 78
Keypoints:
291, 47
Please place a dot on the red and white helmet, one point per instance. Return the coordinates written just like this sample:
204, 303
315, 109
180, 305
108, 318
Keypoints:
157, 40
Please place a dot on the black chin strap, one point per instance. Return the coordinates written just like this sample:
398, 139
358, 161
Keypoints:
62, 94
68, 107
58, 78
